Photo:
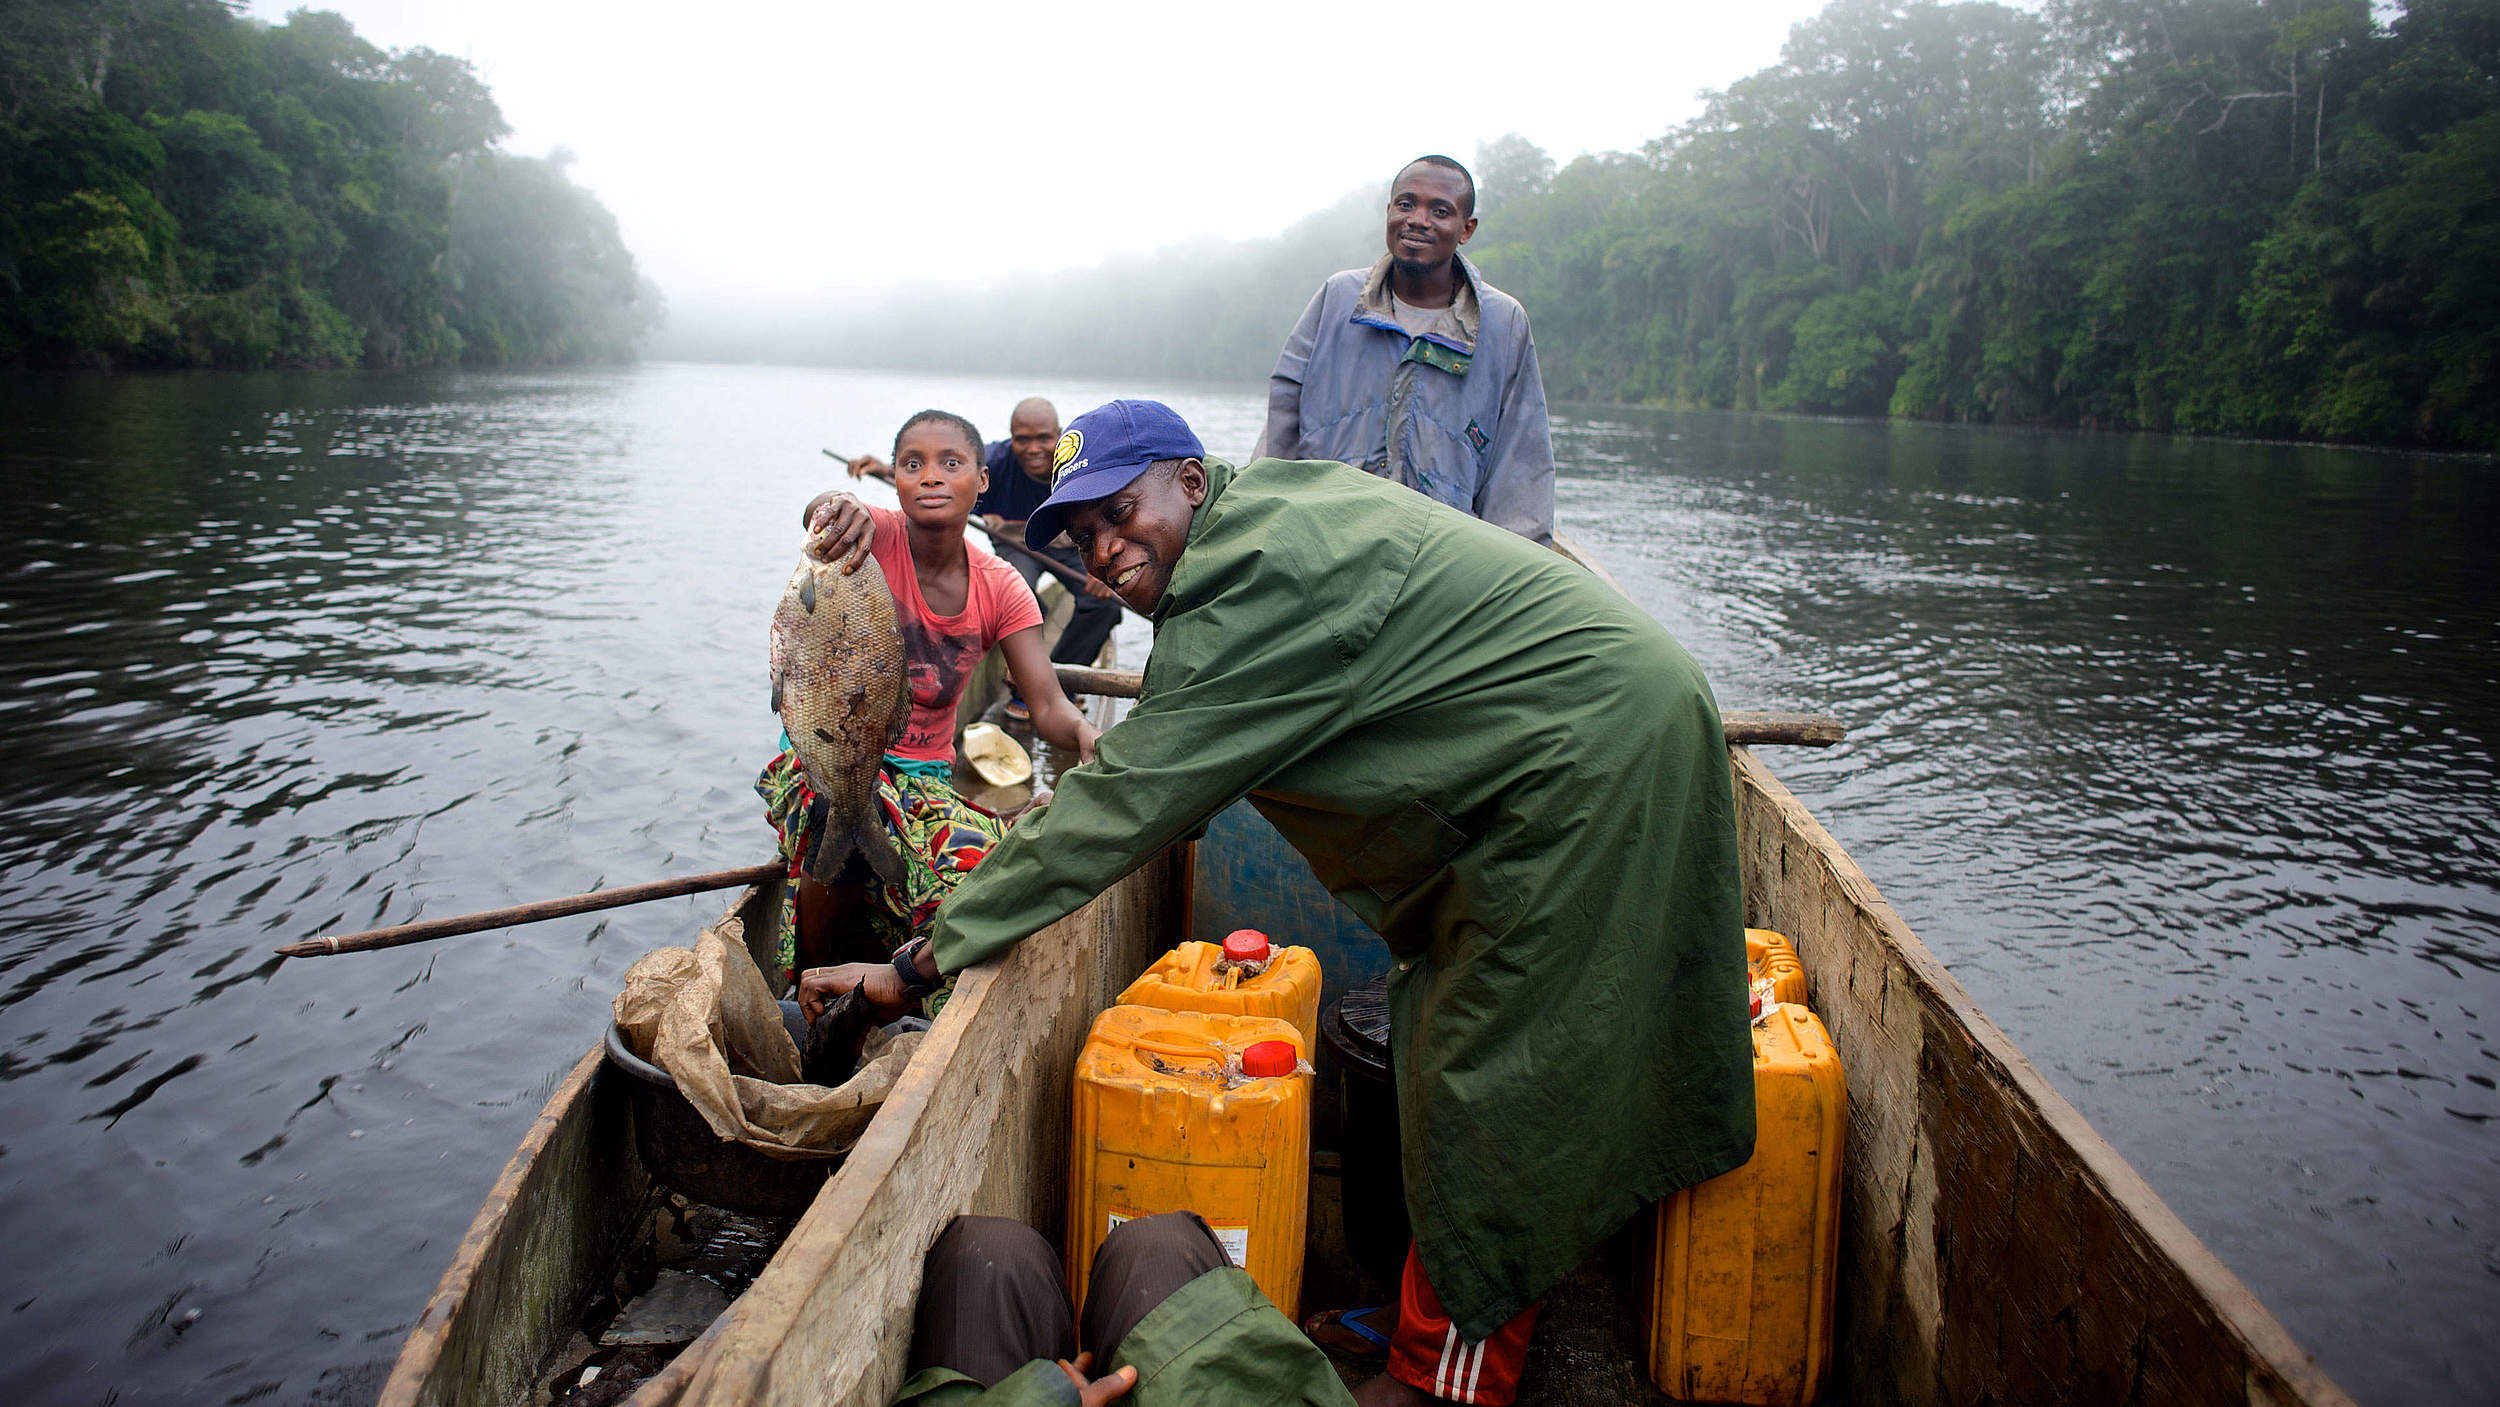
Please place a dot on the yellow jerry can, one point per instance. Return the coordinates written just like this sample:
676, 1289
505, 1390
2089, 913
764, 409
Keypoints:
1743, 1273
1245, 975
1194, 1111
1769, 954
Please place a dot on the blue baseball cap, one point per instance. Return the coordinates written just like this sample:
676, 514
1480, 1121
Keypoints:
1104, 450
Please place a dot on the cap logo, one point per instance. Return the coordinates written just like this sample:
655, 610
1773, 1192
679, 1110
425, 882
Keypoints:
1064, 460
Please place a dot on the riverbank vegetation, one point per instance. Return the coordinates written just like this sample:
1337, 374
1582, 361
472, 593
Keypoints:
2268, 217
2242, 217
182, 187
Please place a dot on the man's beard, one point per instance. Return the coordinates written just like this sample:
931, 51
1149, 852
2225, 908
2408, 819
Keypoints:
1415, 269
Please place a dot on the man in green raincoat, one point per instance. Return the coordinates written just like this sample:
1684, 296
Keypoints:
1506, 769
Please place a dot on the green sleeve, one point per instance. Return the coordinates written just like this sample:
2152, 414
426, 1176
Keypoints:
1222, 710
1217, 1339
1039, 1383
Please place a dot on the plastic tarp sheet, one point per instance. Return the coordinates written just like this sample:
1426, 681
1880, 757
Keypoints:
704, 1015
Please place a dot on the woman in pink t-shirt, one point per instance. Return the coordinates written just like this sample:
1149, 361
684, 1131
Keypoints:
954, 602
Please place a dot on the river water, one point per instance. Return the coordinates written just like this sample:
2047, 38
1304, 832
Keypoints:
2181, 755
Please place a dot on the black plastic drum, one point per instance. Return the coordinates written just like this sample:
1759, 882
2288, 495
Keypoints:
1355, 1031
680, 1150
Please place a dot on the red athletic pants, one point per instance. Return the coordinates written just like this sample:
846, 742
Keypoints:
1426, 1351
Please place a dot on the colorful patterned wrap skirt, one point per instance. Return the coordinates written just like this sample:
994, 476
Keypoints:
940, 835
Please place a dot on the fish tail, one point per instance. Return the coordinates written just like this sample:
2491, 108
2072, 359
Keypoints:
815, 860
877, 848
831, 848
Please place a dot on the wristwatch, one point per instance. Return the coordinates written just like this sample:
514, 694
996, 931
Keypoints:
907, 967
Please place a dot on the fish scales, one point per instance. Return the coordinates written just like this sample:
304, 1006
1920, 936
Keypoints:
841, 688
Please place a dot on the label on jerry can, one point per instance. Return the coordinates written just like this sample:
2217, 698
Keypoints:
1234, 1237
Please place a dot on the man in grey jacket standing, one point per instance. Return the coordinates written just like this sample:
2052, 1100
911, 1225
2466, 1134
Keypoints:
1418, 370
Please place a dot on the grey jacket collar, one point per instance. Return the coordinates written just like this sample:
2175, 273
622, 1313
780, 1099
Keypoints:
1374, 300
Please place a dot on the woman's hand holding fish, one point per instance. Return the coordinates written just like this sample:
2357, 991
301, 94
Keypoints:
839, 530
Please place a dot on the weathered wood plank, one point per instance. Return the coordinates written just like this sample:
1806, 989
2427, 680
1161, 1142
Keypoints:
1744, 727
977, 1123
1101, 683
518, 1280
1995, 1249
547, 1232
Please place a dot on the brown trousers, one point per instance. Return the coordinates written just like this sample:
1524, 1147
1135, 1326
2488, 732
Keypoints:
991, 1297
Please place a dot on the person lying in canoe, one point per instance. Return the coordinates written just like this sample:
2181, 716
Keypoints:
1167, 1320
954, 601
1506, 769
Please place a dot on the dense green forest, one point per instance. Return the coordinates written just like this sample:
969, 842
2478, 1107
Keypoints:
180, 186
2247, 217
2237, 216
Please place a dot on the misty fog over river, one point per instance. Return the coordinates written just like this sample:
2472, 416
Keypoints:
2181, 755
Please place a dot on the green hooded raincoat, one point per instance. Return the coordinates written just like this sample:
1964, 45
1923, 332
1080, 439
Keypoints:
1510, 773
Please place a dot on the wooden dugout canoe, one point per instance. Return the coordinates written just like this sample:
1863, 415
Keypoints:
1994, 1248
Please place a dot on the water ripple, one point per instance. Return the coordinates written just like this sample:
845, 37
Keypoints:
2181, 756
2184, 763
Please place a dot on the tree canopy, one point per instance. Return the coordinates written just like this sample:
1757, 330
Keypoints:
2267, 217
2247, 217
183, 187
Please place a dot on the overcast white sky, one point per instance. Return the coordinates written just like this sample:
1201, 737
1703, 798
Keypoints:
771, 149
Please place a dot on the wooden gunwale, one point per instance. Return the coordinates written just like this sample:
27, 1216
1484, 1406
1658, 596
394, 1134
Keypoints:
1995, 1247
2086, 1286
485, 1266
524, 1271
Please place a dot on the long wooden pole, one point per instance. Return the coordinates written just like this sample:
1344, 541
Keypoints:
1743, 727
1747, 727
592, 902
1077, 679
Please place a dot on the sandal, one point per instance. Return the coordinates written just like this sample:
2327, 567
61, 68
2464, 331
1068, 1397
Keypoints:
1343, 1331
1016, 711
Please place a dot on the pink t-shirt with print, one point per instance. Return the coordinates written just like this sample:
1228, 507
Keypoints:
942, 651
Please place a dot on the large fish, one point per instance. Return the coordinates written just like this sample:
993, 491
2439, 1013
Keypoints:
840, 687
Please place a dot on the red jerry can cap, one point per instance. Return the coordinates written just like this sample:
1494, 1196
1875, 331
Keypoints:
1245, 945
1268, 1058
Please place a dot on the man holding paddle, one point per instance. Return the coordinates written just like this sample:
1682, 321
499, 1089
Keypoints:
1507, 770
